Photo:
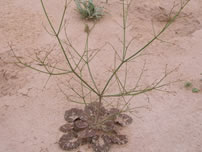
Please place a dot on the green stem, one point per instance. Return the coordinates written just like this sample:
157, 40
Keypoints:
63, 50
87, 62
143, 48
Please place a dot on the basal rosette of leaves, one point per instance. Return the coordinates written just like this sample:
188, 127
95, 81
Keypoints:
82, 128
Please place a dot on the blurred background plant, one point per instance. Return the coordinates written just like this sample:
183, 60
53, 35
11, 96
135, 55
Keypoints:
88, 10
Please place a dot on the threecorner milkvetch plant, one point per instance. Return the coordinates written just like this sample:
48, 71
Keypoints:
96, 124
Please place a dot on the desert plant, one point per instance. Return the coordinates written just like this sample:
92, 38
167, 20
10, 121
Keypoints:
88, 10
195, 90
187, 84
97, 123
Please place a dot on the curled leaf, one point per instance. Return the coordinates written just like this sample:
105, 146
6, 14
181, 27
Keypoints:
80, 125
119, 139
123, 120
69, 141
66, 127
73, 114
101, 144
94, 108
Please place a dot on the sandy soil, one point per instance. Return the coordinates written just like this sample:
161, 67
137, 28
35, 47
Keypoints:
30, 114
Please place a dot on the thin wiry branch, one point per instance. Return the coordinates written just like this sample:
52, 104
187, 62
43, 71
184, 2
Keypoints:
62, 47
153, 86
144, 47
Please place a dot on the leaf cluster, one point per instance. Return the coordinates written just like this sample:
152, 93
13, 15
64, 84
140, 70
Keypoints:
88, 10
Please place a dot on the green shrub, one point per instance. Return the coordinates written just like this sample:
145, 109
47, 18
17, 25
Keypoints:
187, 84
88, 10
195, 90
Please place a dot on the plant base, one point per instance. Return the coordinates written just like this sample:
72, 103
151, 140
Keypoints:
95, 126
